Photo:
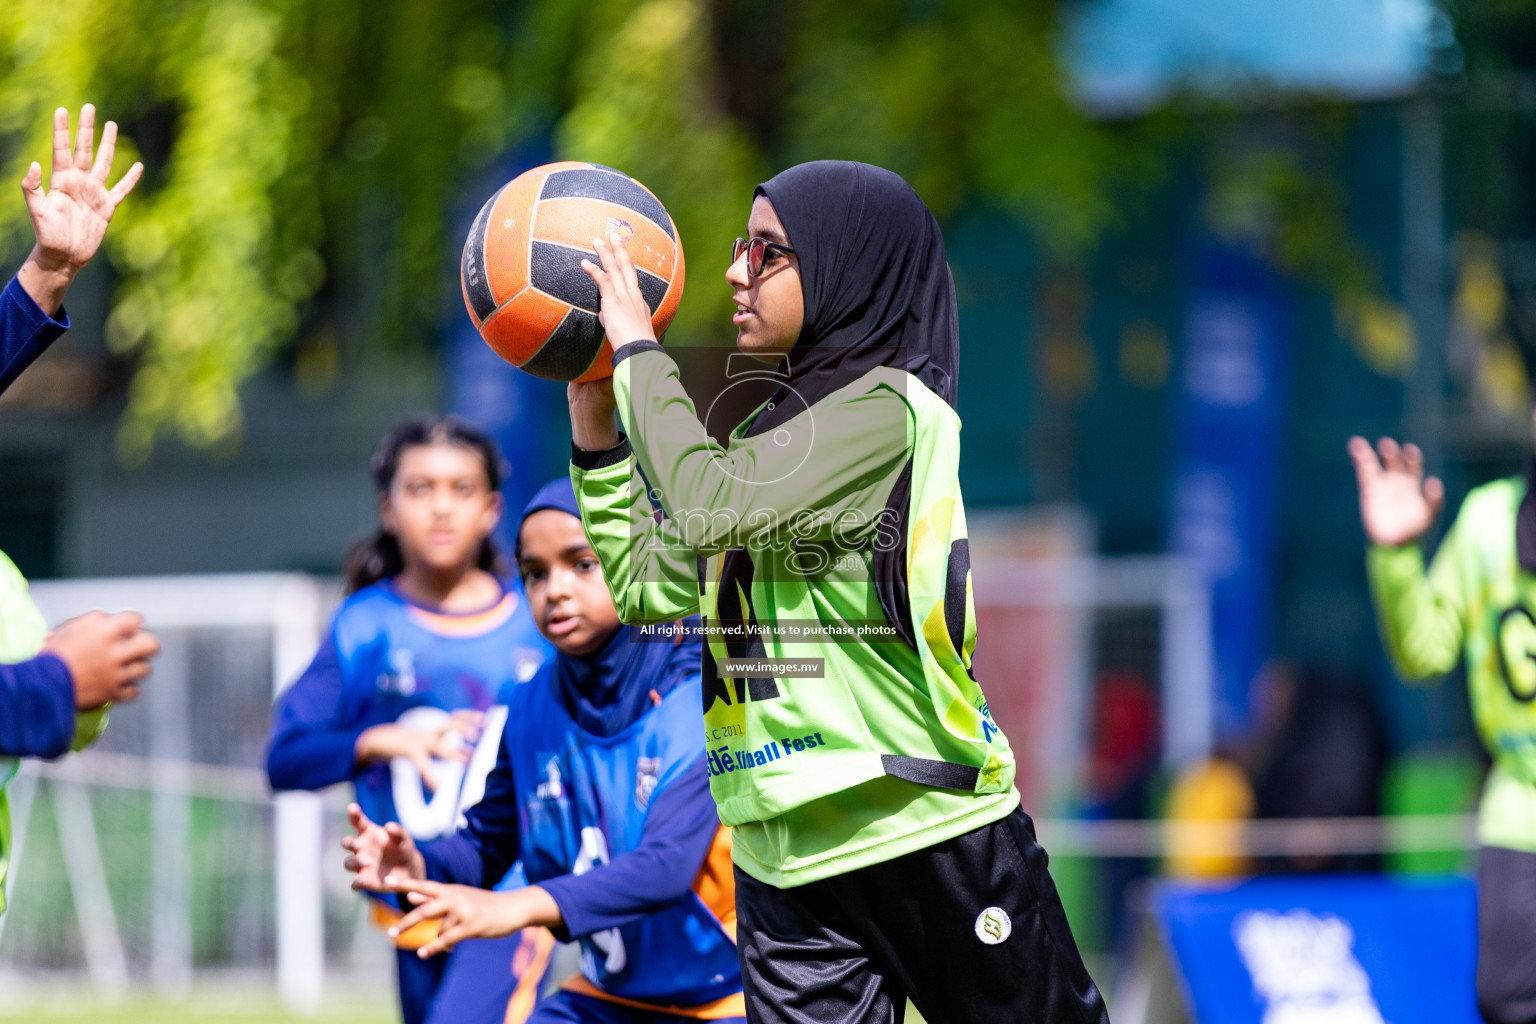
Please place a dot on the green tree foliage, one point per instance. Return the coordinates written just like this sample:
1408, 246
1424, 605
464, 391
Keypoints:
645, 103
296, 137
303, 155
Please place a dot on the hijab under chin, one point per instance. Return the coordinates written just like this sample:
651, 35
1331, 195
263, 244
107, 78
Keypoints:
607, 691
876, 283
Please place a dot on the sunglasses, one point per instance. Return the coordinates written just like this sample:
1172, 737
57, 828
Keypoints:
758, 252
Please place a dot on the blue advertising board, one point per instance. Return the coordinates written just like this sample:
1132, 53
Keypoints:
1324, 950
1227, 477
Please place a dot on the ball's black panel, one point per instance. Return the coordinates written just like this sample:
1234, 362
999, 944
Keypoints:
569, 349
612, 186
557, 271
652, 287
472, 264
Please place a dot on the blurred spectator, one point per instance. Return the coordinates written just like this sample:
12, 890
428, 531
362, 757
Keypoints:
1319, 752
1124, 753
1214, 793
1123, 760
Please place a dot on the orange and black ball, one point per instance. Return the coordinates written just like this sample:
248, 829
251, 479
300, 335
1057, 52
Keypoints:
521, 270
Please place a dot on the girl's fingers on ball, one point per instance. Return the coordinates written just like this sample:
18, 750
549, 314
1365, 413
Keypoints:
621, 253
447, 938
425, 912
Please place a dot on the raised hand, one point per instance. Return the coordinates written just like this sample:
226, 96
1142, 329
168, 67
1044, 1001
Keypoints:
624, 314
381, 856
1397, 503
71, 217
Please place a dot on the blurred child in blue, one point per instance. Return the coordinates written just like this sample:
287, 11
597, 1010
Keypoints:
601, 788
401, 699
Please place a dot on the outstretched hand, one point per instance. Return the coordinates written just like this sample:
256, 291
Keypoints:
625, 315
71, 216
1397, 503
107, 656
380, 855
454, 740
470, 913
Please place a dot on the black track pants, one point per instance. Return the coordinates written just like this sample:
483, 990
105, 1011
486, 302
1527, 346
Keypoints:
971, 930
1506, 935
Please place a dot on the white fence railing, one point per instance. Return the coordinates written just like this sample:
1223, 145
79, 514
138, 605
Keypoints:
284, 613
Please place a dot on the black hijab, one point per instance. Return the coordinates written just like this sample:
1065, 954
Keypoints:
877, 286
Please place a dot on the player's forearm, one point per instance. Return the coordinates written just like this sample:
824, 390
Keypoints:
37, 708
593, 430
1421, 631
538, 908
680, 829
483, 850
26, 331
825, 475
45, 282
312, 758
459, 859
651, 577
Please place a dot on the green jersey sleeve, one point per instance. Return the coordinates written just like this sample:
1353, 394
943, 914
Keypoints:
651, 575
824, 475
22, 632
1422, 616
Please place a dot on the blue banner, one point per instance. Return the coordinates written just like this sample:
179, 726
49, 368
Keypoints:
1337, 950
1227, 471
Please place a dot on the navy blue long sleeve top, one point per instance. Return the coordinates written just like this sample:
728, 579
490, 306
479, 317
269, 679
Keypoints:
37, 708
313, 745
679, 830
37, 696
25, 331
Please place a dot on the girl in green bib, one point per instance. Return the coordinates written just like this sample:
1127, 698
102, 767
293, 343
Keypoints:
1474, 607
880, 851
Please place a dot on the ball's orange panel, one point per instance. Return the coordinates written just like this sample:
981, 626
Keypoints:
575, 222
520, 326
602, 366
662, 318
506, 236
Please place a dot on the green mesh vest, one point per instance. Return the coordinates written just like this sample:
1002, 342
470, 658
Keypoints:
878, 741
1477, 605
